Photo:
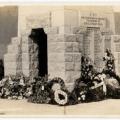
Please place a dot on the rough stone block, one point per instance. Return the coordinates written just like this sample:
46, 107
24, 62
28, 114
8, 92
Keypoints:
13, 48
51, 30
33, 57
68, 76
31, 49
117, 47
56, 57
77, 66
25, 65
11, 65
71, 76
78, 30
65, 30
25, 39
19, 58
77, 57
76, 75
69, 57
25, 57
56, 47
35, 48
15, 40
25, 48
70, 86
56, 66
19, 66
76, 47
81, 48
70, 37
10, 57
10, 72
19, 71
71, 17
26, 72
34, 72
69, 66
13, 59
60, 74
61, 30
79, 38
55, 38
34, 64
68, 47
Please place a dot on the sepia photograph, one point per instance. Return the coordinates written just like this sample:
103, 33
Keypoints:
60, 60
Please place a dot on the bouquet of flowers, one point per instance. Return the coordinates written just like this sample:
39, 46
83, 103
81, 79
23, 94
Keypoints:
40, 91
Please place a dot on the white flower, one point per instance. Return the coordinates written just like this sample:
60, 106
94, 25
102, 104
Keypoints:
56, 86
43, 87
58, 99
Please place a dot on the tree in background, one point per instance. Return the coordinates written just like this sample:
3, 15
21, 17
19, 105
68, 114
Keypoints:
1, 69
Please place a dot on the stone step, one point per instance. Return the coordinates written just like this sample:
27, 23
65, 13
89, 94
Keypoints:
10, 72
15, 40
13, 48
11, 57
11, 65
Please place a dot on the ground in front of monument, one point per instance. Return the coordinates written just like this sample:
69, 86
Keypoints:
109, 107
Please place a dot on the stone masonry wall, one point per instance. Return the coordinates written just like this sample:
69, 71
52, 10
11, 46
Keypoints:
72, 57
13, 57
29, 60
116, 50
56, 58
67, 40
25, 54
64, 56
93, 47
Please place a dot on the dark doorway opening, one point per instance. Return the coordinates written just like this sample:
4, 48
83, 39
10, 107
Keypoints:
40, 38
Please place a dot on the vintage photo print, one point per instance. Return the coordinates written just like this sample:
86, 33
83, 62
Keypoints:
59, 60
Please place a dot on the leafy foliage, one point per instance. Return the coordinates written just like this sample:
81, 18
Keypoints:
40, 91
54, 91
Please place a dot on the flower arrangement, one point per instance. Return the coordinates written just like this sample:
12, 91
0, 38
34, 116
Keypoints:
91, 86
